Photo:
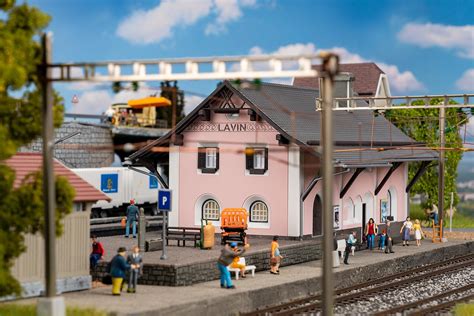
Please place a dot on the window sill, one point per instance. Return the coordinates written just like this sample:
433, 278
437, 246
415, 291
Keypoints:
208, 171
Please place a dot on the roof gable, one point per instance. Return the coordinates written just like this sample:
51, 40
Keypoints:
26, 163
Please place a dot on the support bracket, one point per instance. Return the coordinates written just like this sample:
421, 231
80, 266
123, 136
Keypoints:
350, 182
387, 176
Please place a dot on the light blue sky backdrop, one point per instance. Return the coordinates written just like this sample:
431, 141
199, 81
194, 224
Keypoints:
423, 46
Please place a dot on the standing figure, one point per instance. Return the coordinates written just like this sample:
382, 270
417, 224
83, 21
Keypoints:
418, 232
225, 259
97, 253
275, 256
132, 217
434, 214
382, 240
388, 238
118, 268
405, 231
134, 259
350, 242
370, 231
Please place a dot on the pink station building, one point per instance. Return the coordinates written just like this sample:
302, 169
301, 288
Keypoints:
258, 147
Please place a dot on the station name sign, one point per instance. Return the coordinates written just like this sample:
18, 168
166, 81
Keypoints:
230, 127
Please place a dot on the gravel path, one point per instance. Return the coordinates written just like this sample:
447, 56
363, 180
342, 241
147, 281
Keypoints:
411, 293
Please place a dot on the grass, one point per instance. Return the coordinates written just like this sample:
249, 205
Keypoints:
30, 310
463, 218
464, 309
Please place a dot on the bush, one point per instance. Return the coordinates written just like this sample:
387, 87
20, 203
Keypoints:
30, 310
464, 310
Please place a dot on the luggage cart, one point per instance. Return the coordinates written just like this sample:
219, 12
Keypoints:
233, 225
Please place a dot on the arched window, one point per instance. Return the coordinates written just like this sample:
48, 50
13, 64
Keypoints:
259, 212
210, 210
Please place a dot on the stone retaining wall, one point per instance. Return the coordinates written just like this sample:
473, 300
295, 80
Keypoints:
181, 275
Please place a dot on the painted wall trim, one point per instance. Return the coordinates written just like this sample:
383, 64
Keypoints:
294, 191
173, 218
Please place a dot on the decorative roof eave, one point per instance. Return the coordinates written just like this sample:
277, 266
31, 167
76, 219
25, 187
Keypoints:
191, 117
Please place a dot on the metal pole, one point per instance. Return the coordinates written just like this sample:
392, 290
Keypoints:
442, 142
330, 66
48, 172
163, 236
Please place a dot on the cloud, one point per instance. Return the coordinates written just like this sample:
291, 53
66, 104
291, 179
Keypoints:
458, 38
191, 102
400, 81
466, 82
227, 11
158, 23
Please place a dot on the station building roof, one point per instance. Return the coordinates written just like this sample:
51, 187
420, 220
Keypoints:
26, 163
291, 111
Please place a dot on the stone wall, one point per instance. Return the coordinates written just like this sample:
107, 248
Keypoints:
93, 148
181, 275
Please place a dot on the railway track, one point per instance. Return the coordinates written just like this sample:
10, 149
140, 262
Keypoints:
352, 294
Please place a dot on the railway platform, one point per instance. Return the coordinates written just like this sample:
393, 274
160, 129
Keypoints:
295, 281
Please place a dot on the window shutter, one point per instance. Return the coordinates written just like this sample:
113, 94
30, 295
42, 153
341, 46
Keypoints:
217, 159
266, 159
249, 158
201, 157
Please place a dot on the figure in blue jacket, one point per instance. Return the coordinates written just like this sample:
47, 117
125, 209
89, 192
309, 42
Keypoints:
118, 268
132, 217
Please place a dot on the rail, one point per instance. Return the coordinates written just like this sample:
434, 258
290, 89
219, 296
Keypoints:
314, 302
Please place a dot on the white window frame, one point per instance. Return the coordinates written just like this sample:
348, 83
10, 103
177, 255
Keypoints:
211, 214
259, 158
211, 158
262, 214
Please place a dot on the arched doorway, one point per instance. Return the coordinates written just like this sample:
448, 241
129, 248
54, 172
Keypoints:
317, 216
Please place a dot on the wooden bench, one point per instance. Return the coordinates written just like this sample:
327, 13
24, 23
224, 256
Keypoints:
183, 234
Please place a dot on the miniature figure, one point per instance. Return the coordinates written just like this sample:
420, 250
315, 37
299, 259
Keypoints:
134, 259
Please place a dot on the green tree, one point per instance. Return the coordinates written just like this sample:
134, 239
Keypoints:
423, 126
21, 208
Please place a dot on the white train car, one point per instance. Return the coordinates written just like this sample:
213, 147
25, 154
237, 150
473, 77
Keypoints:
121, 185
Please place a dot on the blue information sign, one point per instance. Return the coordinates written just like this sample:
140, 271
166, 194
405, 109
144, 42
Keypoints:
164, 200
153, 183
109, 183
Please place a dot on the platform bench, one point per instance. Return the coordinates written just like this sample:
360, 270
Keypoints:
183, 234
247, 268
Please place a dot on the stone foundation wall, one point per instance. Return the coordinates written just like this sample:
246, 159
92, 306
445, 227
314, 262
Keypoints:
181, 275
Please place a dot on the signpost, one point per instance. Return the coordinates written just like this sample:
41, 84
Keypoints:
164, 205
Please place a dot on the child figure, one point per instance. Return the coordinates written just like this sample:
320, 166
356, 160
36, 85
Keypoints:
418, 232
382, 240
135, 260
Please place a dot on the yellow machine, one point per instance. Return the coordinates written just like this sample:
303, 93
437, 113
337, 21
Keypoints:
140, 112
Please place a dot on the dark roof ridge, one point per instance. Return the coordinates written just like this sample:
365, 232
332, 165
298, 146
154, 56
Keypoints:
280, 85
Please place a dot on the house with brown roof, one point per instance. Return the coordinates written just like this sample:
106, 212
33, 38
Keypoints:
367, 79
73, 247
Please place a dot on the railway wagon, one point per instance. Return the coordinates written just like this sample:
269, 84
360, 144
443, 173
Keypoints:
121, 184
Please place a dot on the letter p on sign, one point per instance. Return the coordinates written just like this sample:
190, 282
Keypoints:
164, 200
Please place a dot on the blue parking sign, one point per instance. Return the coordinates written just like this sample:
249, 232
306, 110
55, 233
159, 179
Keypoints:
164, 200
